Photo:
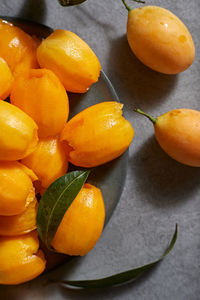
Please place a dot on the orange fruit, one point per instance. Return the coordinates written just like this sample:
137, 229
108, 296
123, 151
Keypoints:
82, 224
20, 224
18, 48
71, 59
18, 134
40, 94
16, 189
97, 135
48, 161
6, 79
178, 133
160, 40
20, 259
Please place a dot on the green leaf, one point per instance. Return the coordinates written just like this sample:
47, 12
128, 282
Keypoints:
70, 2
123, 277
55, 202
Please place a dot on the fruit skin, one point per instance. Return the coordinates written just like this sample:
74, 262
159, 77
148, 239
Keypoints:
178, 133
17, 48
29, 172
71, 59
160, 40
97, 135
82, 224
48, 161
16, 189
20, 224
40, 94
6, 79
18, 134
20, 259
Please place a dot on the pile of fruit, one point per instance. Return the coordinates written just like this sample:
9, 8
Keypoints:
36, 143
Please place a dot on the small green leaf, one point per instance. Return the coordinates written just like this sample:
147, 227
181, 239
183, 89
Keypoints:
70, 2
123, 277
55, 202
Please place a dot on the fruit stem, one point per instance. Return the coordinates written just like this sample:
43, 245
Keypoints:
152, 119
128, 7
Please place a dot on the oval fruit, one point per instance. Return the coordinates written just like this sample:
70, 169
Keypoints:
18, 134
17, 48
40, 94
48, 161
160, 40
6, 79
20, 259
71, 59
16, 189
97, 135
178, 133
82, 224
21, 223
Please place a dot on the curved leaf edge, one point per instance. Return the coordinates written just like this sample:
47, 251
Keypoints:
123, 277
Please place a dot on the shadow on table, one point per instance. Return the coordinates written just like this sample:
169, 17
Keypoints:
83, 15
160, 179
142, 86
34, 10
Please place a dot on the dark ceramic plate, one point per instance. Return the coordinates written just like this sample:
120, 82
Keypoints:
109, 177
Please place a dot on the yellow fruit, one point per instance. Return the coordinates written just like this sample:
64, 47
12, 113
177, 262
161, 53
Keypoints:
18, 134
16, 189
20, 224
48, 161
178, 133
82, 224
40, 94
71, 59
20, 259
97, 135
17, 48
6, 79
160, 40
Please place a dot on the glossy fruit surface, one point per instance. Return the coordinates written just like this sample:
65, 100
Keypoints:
16, 189
82, 224
18, 134
40, 94
178, 133
20, 224
97, 135
20, 259
29, 172
17, 48
160, 39
6, 79
48, 161
71, 59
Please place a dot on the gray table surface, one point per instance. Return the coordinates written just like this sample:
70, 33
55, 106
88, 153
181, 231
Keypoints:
159, 191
